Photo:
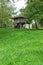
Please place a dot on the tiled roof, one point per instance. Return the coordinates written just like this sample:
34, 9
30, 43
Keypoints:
18, 17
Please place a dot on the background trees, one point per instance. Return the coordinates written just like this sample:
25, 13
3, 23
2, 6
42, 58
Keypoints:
33, 11
5, 11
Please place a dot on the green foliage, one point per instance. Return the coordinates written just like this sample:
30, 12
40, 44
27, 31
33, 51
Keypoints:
5, 11
34, 10
21, 47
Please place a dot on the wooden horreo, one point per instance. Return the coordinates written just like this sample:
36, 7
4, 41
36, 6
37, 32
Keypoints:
19, 21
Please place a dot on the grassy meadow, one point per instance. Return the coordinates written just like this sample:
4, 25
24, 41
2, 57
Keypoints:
21, 47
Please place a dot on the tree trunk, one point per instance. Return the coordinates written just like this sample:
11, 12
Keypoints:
29, 26
36, 24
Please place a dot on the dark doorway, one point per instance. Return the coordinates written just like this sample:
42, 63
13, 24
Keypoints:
17, 25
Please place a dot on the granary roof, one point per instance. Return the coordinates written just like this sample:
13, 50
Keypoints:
18, 17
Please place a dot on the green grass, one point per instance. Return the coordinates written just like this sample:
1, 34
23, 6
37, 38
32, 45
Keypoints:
21, 47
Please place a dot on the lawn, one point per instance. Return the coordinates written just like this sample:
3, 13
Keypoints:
21, 47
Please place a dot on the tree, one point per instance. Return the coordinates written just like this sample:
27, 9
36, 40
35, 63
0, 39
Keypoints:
34, 10
5, 11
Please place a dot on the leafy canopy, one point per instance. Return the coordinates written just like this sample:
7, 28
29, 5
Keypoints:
33, 10
5, 11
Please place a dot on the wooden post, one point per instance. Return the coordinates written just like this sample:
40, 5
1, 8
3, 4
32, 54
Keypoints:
20, 25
